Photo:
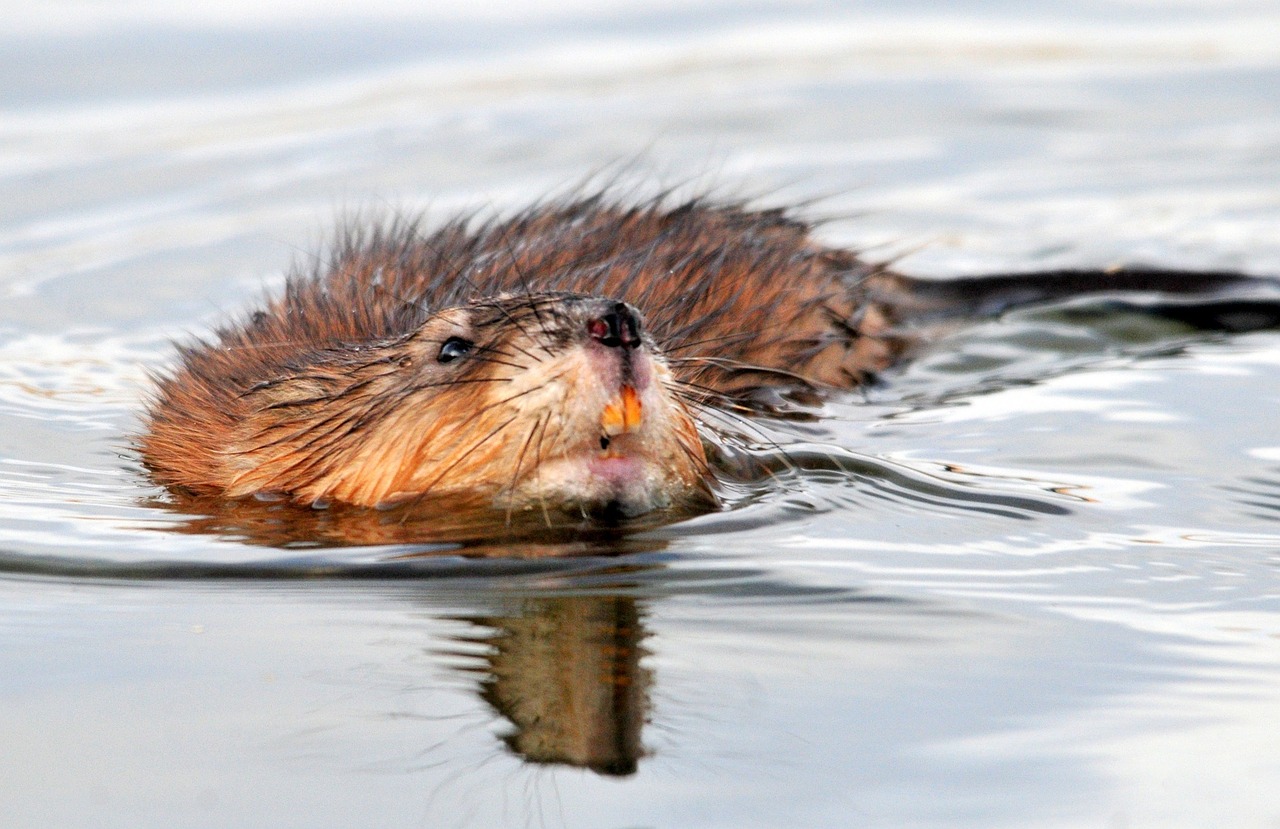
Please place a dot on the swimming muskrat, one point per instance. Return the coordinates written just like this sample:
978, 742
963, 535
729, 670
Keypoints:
565, 358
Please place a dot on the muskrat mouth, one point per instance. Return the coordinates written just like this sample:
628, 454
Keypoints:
621, 416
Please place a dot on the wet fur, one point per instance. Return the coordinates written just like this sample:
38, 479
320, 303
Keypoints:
738, 301
321, 396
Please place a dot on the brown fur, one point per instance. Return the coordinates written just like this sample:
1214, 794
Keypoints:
737, 300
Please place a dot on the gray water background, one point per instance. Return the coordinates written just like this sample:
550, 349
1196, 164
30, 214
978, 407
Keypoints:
876, 645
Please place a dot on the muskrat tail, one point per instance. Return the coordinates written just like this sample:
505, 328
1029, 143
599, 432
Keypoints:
1206, 300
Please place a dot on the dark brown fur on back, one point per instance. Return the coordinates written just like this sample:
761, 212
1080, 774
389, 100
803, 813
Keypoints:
736, 299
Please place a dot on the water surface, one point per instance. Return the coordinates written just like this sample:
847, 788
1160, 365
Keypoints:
1031, 580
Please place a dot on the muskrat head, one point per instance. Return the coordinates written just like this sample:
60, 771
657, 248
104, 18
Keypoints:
519, 402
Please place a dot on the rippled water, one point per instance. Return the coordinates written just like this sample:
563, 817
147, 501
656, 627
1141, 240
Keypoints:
1031, 580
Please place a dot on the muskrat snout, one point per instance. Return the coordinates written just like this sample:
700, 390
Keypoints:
619, 327
602, 422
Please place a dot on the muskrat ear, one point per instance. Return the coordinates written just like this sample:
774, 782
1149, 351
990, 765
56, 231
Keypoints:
453, 348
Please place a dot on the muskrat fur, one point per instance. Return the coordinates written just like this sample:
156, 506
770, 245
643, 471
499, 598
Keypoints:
566, 357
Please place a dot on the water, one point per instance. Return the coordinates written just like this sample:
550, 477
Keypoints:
1031, 581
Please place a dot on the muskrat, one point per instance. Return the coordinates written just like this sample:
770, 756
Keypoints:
569, 357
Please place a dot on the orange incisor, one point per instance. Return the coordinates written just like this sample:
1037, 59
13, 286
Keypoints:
622, 415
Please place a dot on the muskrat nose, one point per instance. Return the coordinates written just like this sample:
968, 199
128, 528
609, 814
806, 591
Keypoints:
618, 327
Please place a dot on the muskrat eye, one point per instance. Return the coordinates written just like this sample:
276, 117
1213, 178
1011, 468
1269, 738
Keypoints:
453, 348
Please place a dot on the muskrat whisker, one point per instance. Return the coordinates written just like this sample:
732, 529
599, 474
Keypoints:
715, 409
537, 472
779, 450
727, 338
418, 498
493, 349
734, 417
477, 359
517, 395
504, 237
509, 317
745, 368
711, 396
515, 475
351, 389
461, 381
682, 441
310, 434
693, 294
523, 351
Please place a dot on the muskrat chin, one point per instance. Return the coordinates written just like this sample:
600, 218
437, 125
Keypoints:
610, 483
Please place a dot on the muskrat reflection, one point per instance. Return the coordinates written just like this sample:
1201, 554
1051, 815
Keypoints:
566, 673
